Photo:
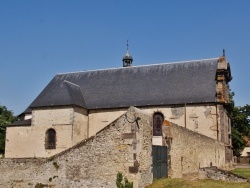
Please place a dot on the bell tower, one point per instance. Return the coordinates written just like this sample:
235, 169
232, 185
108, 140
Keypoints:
127, 59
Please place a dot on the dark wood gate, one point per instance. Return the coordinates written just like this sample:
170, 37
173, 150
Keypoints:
160, 162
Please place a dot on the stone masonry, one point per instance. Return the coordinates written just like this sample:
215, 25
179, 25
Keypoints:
218, 174
189, 151
123, 146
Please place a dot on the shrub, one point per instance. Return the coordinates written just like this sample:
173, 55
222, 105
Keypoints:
122, 182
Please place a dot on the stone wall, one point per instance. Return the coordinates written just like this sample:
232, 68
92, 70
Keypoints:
203, 119
70, 124
98, 119
51, 116
218, 174
225, 126
190, 151
243, 160
198, 118
30, 141
74, 124
16, 141
80, 125
123, 146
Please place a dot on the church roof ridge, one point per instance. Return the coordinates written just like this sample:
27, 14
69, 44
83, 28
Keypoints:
189, 61
138, 66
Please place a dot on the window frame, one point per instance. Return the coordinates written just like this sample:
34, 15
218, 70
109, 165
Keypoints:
50, 139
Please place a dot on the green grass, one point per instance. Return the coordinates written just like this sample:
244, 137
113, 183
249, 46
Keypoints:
182, 183
245, 172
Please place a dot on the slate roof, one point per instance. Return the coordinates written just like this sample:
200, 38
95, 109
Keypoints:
151, 85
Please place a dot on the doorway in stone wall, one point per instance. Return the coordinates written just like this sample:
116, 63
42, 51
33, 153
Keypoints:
160, 162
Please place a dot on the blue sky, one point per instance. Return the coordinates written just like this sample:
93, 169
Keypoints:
39, 39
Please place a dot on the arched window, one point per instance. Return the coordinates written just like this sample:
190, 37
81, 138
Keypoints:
158, 119
50, 139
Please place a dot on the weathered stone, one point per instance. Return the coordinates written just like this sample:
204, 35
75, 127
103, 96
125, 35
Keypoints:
128, 135
218, 174
92, 163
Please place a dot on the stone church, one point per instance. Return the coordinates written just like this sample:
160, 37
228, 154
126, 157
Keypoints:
73, 107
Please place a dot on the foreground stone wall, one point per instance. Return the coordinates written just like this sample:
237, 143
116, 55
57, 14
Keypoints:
123, 146
191, 151
218, 174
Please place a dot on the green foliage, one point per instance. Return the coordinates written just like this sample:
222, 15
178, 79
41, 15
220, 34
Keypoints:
238, 142
240, 118
205, 183
119, 179
122, 182
6, 117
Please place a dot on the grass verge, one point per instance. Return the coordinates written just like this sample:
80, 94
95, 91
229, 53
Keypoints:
245, 172
182, 183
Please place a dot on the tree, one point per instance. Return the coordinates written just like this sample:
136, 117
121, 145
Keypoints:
238, 142
6, 117
240, 118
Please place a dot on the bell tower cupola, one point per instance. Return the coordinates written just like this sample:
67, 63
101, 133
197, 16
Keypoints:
127, 59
